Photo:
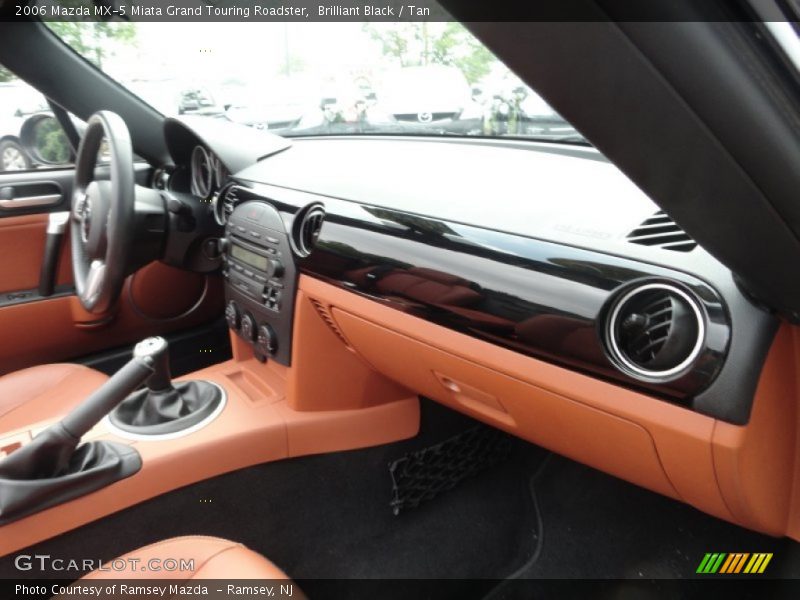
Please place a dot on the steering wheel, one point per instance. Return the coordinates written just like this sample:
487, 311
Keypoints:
102, 223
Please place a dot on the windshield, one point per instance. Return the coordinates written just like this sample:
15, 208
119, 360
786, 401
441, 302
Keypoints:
19, 99
301, 79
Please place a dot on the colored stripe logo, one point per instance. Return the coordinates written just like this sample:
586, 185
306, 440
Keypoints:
734, 563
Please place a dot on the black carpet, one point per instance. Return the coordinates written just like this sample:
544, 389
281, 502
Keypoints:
330, 517
596, 527
538, 518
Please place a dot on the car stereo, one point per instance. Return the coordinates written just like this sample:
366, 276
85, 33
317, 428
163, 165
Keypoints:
261, 279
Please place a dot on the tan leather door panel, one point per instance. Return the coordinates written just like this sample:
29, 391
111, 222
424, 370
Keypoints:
57, 329
22, 250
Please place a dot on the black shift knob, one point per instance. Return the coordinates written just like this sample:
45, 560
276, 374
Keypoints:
157, 350
162, 408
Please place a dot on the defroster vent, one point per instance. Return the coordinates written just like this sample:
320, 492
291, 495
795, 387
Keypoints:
660, 230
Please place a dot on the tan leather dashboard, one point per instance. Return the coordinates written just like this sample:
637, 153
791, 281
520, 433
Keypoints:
356, 367
744, 474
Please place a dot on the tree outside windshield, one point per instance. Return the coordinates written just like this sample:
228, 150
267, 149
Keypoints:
301, 79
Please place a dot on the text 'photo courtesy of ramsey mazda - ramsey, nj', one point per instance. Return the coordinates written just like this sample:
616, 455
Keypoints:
356, 300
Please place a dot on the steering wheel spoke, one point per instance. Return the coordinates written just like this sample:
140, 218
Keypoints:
78, 205
95, 280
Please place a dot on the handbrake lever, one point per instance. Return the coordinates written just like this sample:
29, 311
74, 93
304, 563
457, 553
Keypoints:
89, 413
43, 472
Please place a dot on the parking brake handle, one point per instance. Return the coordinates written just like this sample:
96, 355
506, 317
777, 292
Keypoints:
52, 468
87, 414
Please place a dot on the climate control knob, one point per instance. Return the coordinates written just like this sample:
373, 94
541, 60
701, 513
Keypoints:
248, 327
267, 341
232, 315
275, 268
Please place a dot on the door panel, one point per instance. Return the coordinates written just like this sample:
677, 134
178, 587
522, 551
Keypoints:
22, 240
24, 185
36, 329
26, 198
58, 329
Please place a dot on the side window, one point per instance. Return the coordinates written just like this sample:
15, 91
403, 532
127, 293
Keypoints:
30, 136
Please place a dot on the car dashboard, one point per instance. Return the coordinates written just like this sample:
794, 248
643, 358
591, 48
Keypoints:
529, 285
546, 250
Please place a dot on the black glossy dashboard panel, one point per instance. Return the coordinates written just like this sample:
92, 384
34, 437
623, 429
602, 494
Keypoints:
533, 260
532, 296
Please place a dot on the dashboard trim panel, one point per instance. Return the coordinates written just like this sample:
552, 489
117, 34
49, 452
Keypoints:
535, 297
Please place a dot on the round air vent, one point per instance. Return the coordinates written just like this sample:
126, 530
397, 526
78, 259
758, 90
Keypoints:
224, 203
655, 331
305, 229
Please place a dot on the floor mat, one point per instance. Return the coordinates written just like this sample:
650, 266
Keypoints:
594, 526
330, 516
535, 515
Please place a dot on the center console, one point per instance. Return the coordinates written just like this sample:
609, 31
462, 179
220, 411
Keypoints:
124, 444
261, 279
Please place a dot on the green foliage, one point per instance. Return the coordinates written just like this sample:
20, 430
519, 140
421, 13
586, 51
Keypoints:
293, 64
91, 39
458, 47
415, 44
51, 142
394, 40
6, 75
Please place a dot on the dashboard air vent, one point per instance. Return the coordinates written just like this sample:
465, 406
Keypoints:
325, 314
655, 331
660, 230
225, 203
305, 229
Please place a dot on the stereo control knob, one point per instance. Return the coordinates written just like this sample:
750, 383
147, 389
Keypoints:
232, 315
222, 245
275, 268
248, 327
267, 340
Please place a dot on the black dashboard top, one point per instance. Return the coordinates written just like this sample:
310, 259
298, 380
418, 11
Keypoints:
565, 194
237, 146
527, 236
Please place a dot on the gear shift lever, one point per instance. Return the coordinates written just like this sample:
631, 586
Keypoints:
52, 468
163, 408
158, 350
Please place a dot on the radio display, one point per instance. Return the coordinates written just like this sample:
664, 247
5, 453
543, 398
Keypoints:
251, 258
